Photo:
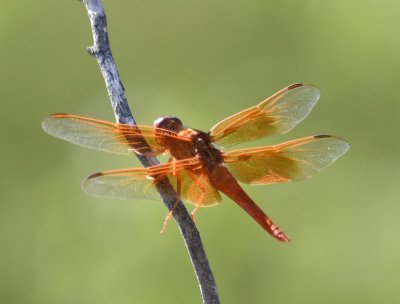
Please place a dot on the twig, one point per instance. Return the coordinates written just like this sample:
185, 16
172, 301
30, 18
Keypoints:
102, 52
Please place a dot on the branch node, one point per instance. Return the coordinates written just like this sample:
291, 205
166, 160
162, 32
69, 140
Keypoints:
91, 50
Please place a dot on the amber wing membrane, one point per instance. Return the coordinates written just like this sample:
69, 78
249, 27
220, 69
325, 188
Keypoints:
141, 183
122, 184
197, 189
290, 161
106, 136
275, 115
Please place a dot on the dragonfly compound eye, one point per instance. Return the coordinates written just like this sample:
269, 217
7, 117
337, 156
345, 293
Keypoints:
169, 123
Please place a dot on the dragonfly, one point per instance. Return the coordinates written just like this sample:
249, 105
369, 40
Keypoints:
198, 167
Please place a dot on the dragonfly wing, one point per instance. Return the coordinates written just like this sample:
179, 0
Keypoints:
277, 114
198, 190
106, 136
127, 184
290, 161
141, 183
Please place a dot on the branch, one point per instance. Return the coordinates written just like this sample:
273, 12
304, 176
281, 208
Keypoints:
102, 52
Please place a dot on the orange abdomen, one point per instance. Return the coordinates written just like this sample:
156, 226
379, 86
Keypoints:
223, 180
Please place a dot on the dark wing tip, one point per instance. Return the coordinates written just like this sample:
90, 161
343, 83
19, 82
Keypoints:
94, 175
332, 136
299, 84
295, 85
323, 136
89, 184
344, 144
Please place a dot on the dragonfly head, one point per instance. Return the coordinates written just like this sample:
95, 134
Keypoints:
169, 123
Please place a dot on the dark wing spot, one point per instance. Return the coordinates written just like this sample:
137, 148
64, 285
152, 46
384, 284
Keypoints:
322, 136
95, 175
295, 85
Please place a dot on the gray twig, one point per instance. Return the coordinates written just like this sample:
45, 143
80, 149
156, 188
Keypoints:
102, 52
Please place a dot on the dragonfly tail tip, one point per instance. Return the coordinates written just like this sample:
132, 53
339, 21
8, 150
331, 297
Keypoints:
282, 237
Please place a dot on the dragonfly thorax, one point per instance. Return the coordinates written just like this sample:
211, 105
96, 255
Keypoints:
206, 150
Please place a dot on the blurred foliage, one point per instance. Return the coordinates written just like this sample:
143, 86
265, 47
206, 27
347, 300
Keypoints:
200, 61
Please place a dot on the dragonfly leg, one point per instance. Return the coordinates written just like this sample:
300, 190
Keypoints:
178, 198
202, 196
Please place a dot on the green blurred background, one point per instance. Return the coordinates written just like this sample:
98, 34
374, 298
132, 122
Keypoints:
201, 61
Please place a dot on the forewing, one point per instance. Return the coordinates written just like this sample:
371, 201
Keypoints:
106, 136
291, 161
277, 114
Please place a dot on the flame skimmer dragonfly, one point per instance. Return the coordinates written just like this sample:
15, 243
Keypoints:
197, 169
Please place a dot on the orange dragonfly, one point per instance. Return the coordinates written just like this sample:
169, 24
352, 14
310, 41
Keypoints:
197, 168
